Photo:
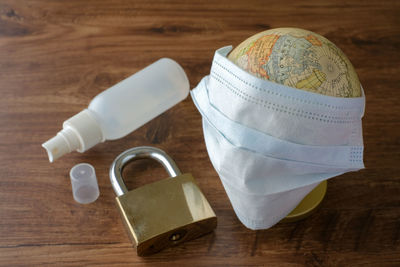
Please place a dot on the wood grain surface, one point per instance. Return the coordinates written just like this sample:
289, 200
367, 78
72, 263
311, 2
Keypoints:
55, 56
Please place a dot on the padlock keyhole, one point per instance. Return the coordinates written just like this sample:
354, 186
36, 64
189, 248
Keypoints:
177, 236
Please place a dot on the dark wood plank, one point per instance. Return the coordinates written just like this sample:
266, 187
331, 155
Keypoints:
56, 55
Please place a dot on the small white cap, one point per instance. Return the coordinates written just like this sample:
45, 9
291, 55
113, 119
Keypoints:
79, 132
84, 183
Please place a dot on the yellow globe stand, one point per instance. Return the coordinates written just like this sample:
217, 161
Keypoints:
308, 205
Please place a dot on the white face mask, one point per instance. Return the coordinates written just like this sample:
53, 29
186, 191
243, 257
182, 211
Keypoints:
271, 144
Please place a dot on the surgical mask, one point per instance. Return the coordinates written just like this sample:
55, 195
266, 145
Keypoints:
271, 144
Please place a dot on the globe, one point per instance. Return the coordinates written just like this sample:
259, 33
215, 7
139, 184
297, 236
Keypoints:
300, 59
304, 60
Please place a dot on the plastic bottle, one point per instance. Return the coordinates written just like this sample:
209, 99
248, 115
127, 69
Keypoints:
122, 108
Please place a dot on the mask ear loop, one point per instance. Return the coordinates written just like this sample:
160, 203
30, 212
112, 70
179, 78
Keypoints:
363, 106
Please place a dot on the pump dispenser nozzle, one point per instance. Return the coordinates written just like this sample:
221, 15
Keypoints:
80, 133
64, 142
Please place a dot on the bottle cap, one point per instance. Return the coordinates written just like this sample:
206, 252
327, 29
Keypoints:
84, 183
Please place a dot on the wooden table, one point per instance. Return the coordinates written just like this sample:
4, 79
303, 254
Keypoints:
55, 56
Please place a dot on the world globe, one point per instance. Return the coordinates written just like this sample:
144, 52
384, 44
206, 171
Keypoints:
304, 60
300, 59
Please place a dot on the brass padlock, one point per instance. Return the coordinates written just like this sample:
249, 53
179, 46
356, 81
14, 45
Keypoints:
164, 213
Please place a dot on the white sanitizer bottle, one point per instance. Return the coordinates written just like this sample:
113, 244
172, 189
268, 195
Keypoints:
122, 108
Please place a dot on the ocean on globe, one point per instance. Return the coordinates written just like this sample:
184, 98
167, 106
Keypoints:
300, 59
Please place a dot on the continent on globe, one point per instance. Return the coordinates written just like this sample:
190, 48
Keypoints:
300, 59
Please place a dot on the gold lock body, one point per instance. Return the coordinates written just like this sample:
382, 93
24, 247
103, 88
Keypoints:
165, 213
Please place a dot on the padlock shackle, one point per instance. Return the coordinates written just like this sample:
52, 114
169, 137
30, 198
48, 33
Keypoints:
142, 152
